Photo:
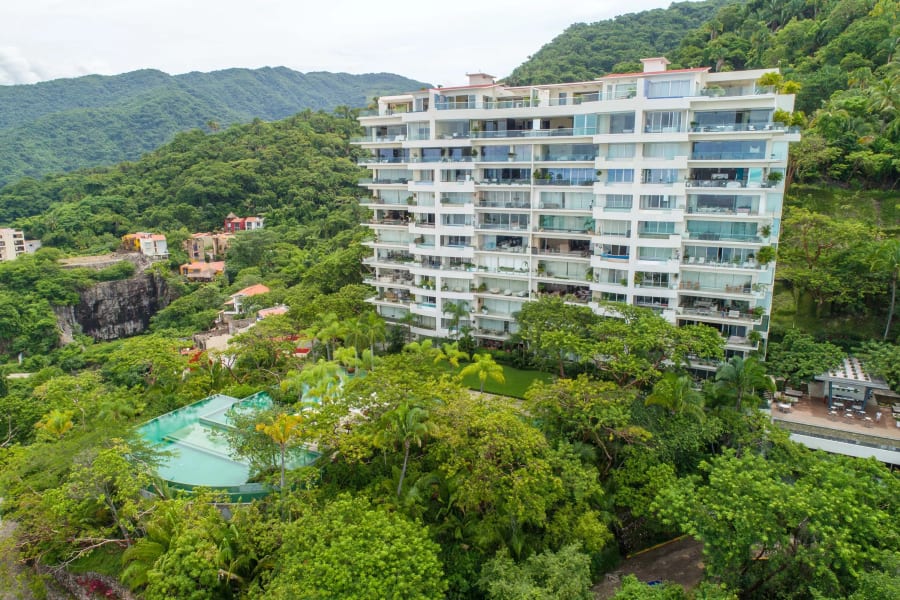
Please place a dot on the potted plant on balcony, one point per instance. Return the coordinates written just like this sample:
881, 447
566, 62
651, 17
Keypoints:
774, 177
754, 337
623, 282
765, 255
410, 200
758, 312
765, 231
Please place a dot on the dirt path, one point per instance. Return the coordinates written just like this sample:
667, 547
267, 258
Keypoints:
679, 561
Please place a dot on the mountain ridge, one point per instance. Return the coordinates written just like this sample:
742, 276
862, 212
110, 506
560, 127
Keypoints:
97, 120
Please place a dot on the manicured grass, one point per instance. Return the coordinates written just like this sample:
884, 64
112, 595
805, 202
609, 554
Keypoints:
517, 381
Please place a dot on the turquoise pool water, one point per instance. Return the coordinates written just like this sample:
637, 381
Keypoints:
200, 454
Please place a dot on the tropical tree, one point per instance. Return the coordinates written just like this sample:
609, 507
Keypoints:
677, 394
375, 330
740, 379
406, 425
55, 424
285, 430
484, 366
328, 329
351, 549
458, 311
451, 353
886, 258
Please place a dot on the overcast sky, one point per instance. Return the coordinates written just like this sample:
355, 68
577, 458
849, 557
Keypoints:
429, 40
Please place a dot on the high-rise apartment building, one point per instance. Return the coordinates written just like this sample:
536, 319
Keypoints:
661, 189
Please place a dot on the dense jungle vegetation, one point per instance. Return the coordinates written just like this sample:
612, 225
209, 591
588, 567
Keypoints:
426, 489
95, 120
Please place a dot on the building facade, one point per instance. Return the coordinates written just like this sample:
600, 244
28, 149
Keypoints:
152, 245
660, 189
12, 243
234, 223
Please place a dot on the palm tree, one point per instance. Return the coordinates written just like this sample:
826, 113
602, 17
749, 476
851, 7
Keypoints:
56, 423
451, 353
285, 430
886, 257
375, 329
677, 395
484, 366
406, 425
327, 330
740, 378
457, 311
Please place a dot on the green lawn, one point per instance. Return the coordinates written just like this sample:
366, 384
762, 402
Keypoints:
517, 381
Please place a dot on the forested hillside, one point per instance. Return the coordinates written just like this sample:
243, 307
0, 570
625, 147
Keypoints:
67, 124
300, 172
587, 50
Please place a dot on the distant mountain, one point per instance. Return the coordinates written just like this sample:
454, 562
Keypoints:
68, 124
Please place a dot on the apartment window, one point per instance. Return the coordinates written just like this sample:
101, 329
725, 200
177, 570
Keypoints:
419, 131
610, 227
620, 151
651, 301
614, 251
663, 121
618, 201
611, 297
621, 122
653, 279
620, 176
658, 254
585, 125
669, 88
660, 175
657, 202
660, 228
624, 90
666, 151
458, 241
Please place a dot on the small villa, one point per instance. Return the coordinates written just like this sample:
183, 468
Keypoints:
202, 271
152, 245
235, 223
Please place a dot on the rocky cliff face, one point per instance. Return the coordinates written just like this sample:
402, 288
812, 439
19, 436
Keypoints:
115, 309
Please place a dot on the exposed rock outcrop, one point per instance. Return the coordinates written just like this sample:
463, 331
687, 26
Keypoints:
115, 309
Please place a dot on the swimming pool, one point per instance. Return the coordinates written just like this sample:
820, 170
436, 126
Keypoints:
200, 455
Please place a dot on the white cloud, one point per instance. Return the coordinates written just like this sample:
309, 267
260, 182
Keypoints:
15, 68
423, 39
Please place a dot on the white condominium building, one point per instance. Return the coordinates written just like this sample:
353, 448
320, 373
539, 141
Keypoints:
12, 243
661, 189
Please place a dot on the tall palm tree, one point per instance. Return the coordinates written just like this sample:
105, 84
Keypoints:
886, 257
677, 395
484, 365
740, 379
376, 330
406, 425
457, 311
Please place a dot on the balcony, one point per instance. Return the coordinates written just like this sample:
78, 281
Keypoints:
740, 127
723, 237
384, 181
728, 183
744, 289
586, 181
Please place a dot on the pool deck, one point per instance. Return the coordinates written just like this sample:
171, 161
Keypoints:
811, 425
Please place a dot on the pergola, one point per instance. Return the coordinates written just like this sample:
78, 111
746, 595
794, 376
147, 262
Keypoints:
849, 383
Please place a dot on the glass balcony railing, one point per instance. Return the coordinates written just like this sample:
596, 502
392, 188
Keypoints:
728, 156
575, 181
723, 236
